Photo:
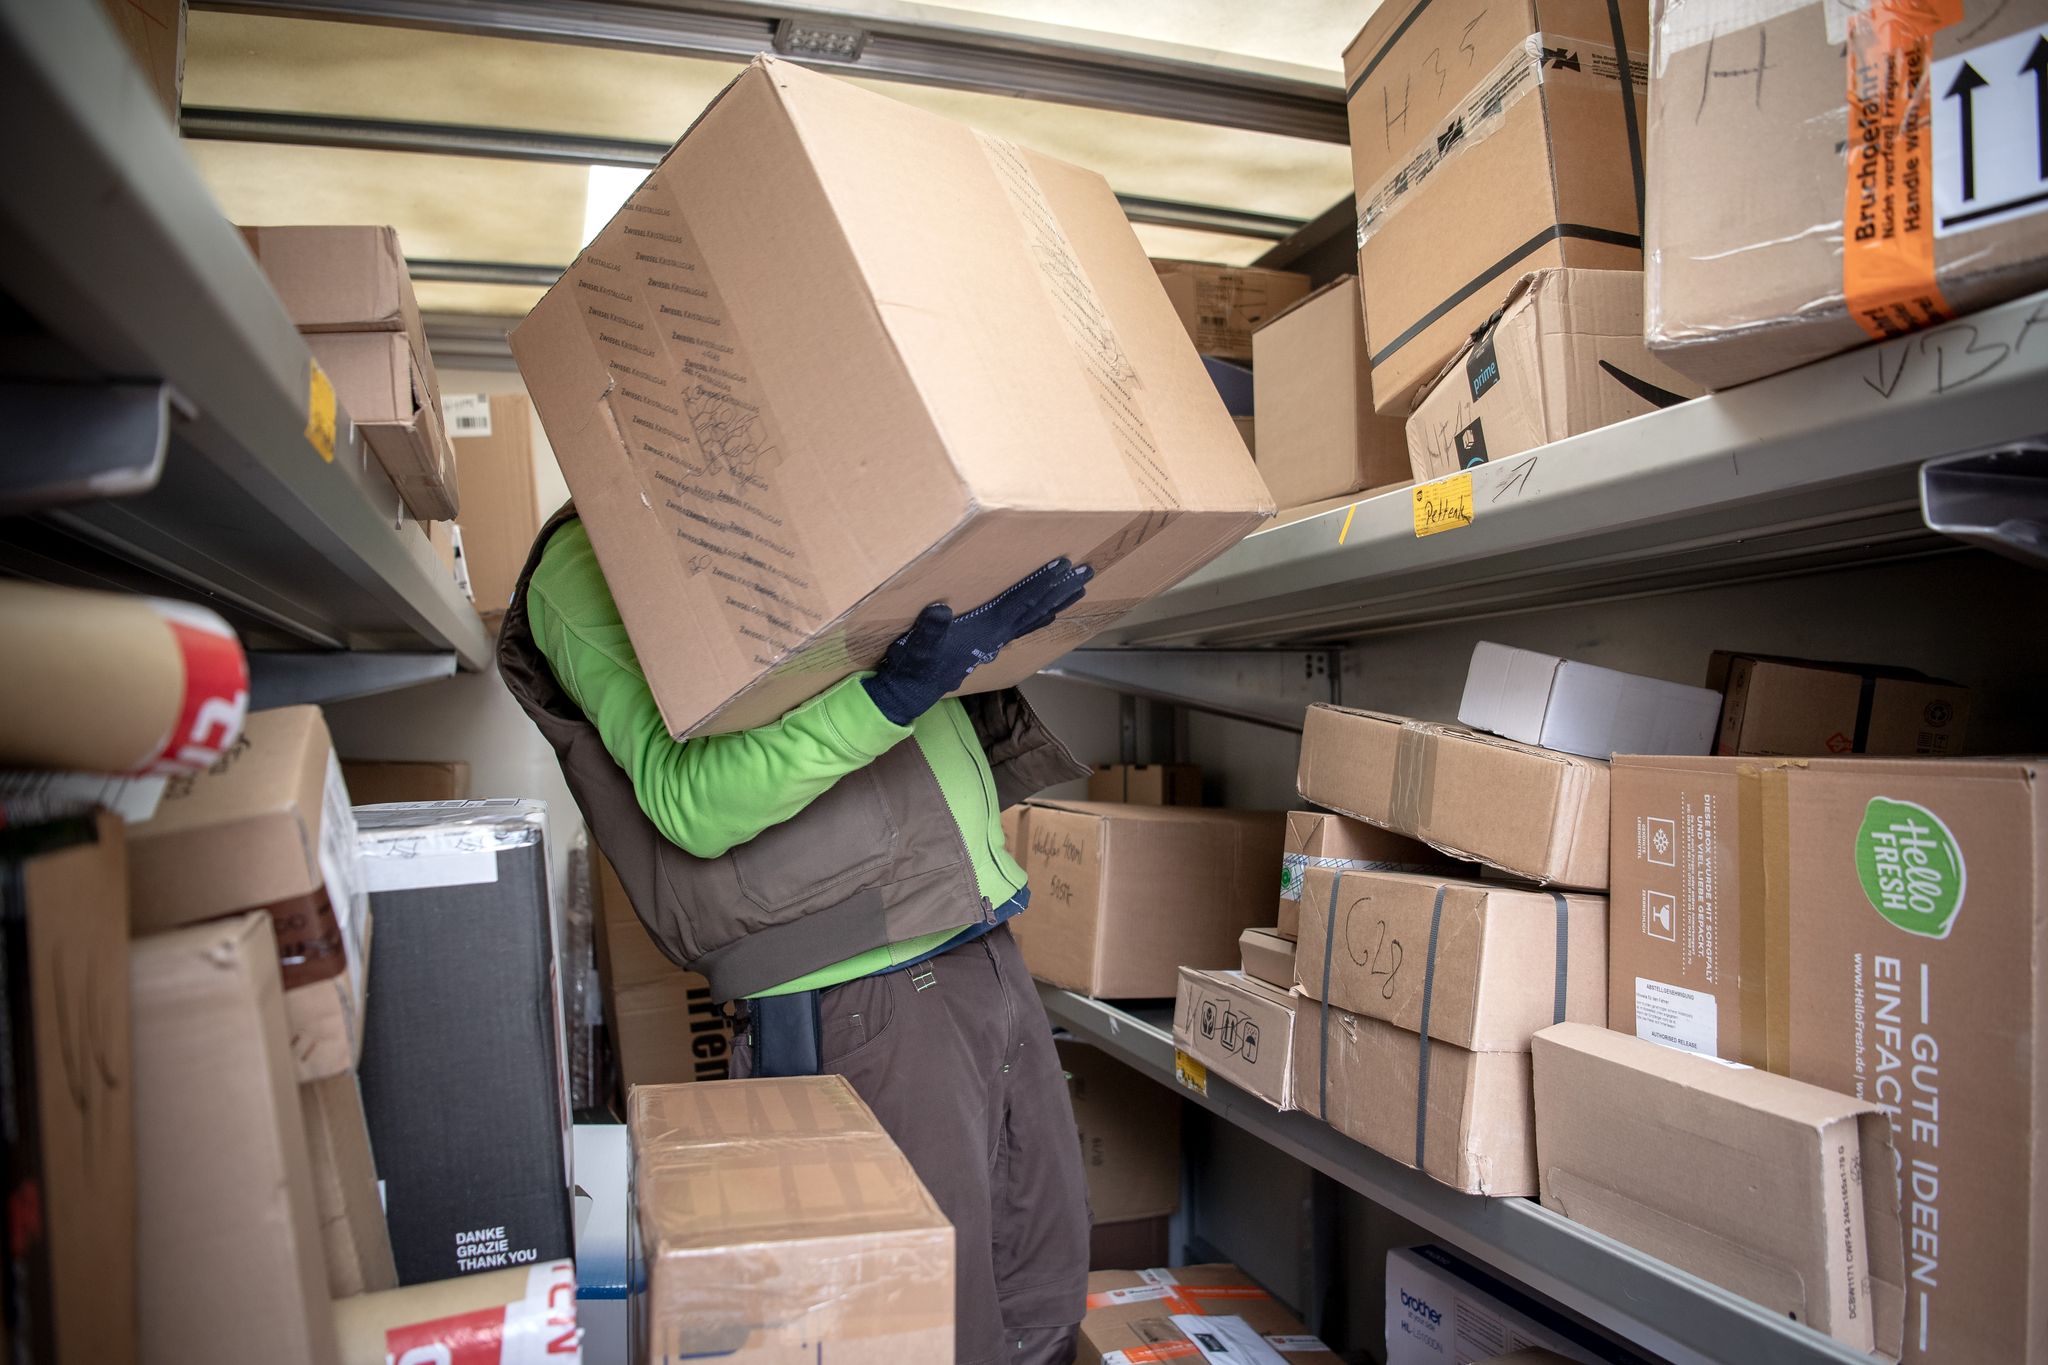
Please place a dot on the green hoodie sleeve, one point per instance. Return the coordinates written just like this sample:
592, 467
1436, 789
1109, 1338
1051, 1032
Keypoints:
707, 794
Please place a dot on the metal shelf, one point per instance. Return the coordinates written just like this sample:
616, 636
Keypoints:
116, 265
1642, 1300
1807, 470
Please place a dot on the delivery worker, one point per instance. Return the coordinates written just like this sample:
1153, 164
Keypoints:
843, 872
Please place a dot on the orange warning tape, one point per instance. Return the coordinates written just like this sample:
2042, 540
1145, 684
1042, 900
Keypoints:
1165, 1350
1888, 265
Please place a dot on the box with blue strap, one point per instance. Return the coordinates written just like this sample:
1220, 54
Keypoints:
1421, 997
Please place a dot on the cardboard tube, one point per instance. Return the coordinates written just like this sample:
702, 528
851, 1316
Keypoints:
504, 1317
109, 683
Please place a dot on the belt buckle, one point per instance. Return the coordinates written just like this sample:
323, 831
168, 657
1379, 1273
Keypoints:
922, 976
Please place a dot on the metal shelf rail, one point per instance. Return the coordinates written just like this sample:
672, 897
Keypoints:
1640, 1299
126, 271
1806, 470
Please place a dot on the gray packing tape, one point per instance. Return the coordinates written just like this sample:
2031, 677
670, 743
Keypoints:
1564, 957
1436, 919
1414, 795
1323, 1051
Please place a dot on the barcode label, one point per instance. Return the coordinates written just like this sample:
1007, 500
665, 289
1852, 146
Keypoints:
467, 414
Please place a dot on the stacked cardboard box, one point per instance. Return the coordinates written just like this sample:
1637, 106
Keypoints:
1908, 975
1580, 708
501, 512
154, 31
774, 1219
1156, 1314
1319, 437
676, 370
1129, 1130
1421, 996
1316, 839
665, 1028
1268, 956
347, 290
1146, 784
1221, 306
1801, 708
378, 783
1442, 1311
1239, 1028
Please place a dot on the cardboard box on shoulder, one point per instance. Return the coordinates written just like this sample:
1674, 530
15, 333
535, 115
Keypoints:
1485, 145
772, 1217
1157, 1310
229, 1261
268, 827
1800, 708
1581, 708
1235, 1026
1932, 211
1123, 896
1564, 356
68, 1091
1221, 306
464, 1080
1752, 1181
1319, 435
1538, 813
1146, 784
501, 512
1129, 1129
378, 783
665, 1027
710, 437
1442, 1311
1268, 956
1316, 839
346, 1193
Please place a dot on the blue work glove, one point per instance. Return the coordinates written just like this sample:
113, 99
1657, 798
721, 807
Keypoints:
940, 649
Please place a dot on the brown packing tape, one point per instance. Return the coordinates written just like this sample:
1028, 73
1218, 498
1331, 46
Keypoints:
309, 944
1414, 795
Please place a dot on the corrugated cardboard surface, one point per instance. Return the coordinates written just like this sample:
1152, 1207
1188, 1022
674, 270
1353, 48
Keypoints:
1222, 306
1440, 1311
1132, 1310
227, 1230
1315, 839
1566, 356
772, 1215
345, 1188
1485, 965
1802, 708
1535, 812
1123, 896
795, 440
1746, 1179
1318, 434
1472, 1126
1750, 282
70, 1092
1129, 1129
501, 504
1509, 146
374, 783
386, 384
1146, 784
268, 828
155, 33
1268, 956
1129, 1246
1581, 708
1241, 1029
338, 279
665, 1027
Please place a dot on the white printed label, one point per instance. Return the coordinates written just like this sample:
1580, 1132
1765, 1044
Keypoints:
1291, 1345
1990, 133
1137, 1293
467, 414
411, 859
1157, 1277
1226, 1340
341, 868
1676, 1017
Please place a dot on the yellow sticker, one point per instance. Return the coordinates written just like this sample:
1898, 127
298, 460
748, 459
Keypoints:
1443, 504
1190, 1072
320, 411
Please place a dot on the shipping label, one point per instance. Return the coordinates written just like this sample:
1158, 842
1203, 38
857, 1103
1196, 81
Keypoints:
1991, 133
1676, 1017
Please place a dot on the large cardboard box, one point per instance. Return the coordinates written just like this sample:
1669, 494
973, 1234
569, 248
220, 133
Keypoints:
227, 1230
1155, 1314
1843, 219
463, 1075
1582, 708
348, 290
1268, 956
950, 364
1146, 784
1538, 813
1316, 839
346, 1193
775, 1220
381, 783
1442, 1311
1123, 896
1486, 144
1221, 306
155, 33
1319, 437
665, 1027
1129, 1129
1240, 1028
1463, 1117
268, 828
1133, 1245
1564, 356
1800, 708
1752, 1181
501, 512
1483, 965
68, 1091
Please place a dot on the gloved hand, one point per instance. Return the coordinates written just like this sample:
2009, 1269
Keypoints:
940, 649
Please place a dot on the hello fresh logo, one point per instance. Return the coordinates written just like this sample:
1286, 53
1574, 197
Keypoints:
1911, 866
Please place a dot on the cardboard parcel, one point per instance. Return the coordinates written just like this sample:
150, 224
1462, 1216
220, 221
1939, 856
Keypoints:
949, 363
1210, 1312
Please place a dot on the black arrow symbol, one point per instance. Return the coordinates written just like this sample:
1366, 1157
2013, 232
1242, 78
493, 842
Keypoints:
2037, 62
1966, 84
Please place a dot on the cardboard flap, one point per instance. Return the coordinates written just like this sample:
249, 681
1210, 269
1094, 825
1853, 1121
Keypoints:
1522, 288
1341, 282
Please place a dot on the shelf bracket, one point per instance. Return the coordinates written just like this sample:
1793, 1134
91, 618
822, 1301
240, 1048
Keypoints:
77, 442
1997, 499
282, 678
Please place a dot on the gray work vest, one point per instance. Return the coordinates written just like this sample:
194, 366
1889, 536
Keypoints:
877, 859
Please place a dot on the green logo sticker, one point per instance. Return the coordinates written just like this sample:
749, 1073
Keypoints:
1911, 866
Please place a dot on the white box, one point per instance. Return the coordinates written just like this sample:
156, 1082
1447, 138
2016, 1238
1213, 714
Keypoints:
1583, 708
1441, 1311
